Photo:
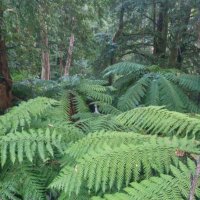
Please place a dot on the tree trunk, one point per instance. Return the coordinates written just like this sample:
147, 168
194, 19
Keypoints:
5, 78
160, 40
198, 31
178, 47
69, 56
45, 75
116, 38
61, 63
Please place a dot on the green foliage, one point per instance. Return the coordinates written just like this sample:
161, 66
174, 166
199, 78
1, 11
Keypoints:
95, 153
21, 116
27, 144
166, 187
160, 121
140, 85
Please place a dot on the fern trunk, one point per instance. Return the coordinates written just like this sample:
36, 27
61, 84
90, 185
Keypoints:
195, 181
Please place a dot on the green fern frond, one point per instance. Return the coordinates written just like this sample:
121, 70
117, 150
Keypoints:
165, 187
21, 115
123, 68
125, 81
95, 142
32, 183
107, 108
133, 95
8, 191
18, 145
161, 121
81, 105
114, 168
169, 95
97, 122
153, 94
190, 82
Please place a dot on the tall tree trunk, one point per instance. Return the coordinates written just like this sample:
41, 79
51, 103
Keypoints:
61, 62
69, 56
5, 78
160, 40
178, 47
45, 75
198, 30
116, 38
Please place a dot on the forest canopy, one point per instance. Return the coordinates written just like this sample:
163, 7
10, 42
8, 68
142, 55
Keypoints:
99, 99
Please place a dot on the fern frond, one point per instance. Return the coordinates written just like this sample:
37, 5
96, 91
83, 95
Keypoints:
32, 183
114, 168
190, 82
80, 104
97, 122
123, 68
125, 81
20, 116
165, 187
169, 95
17, 145
153, 94
161, 121
107, 108
8, 191
95, 142
134, 94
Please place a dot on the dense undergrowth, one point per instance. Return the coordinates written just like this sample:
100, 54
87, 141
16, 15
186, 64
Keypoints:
83, 139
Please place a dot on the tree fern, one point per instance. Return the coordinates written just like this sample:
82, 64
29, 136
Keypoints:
117, 167
21, 115
18, 145
166, 187
79, 92
161, 121
153, 94
123, 68
95, 142
190, 82
162, 88
97, 122
169, 95
133, 95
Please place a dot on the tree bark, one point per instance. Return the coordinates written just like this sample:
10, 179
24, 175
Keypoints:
5, 78
69, 56
61, 63
160, 40
177, 48
116, 37
45, 75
